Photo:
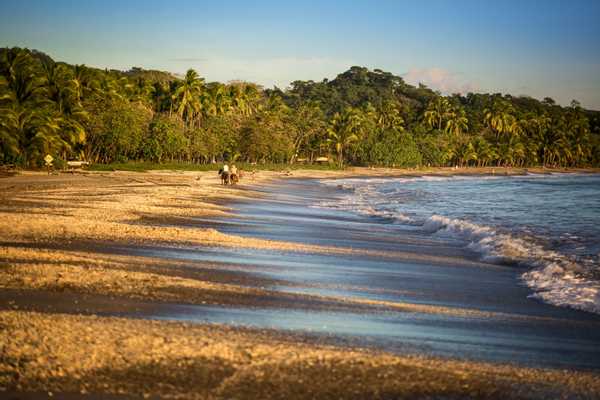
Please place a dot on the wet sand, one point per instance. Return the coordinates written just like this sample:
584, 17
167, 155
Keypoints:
451, 303
85, 354
284, 300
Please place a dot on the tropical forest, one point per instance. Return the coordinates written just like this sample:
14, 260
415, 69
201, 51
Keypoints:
362, 117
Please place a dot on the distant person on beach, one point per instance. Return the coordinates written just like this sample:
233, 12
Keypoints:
224, 172
233, 174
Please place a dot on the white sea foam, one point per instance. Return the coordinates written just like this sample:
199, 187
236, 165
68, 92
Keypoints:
555, 278
362, 199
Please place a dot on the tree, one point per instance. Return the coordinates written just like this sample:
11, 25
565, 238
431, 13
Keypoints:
216, 100
166, 139
389, 116
305, 122
500, 117
344, 129
186, 98
116, 129
438, 111
364, 116
456, 122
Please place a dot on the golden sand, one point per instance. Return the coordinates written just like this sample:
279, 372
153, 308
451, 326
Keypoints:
86, 354
52, 234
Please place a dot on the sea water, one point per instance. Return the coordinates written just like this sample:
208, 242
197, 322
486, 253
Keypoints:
548, 226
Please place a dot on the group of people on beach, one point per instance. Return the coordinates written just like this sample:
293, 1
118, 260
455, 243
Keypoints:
229, 175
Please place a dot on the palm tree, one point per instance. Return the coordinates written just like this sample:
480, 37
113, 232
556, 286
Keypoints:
141, 91
9, 141
457, 122
437, 112
251, 95
216, 100
187, 96
500, 118
485, 152
6, 95
307, 122
388, 117
62, 93
86, 82
238, 98
465, 152
540, 135
511, 151
22, 79
108, 86
517, 127
62, 89
532, 148
344, 129
38, 132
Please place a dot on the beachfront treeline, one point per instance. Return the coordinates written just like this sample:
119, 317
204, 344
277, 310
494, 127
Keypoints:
361, 117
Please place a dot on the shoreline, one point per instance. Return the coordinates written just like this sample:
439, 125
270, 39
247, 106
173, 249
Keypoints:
364, 172
49, 244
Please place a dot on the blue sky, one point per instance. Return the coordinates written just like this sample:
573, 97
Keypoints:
538, 48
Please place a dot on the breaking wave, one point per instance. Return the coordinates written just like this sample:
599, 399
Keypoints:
555, 277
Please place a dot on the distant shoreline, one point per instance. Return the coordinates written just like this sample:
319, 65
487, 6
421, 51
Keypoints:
358, 172
298, 170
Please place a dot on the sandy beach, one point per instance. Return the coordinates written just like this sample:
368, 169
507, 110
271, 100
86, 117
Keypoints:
99, 273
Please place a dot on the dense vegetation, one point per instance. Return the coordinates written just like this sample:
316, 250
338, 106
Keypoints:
361, 117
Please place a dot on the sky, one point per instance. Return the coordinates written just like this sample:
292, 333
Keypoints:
525, 47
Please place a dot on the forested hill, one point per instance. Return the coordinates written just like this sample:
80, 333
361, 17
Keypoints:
361, 117
357, 87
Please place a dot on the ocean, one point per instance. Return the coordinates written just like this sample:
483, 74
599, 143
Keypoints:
500, 269
546, 225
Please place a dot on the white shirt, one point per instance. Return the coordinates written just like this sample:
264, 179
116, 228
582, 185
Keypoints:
225, 168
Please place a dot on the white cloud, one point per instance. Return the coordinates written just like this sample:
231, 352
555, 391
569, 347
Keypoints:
439, 79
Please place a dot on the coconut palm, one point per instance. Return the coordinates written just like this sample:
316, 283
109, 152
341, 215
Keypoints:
251, 95
457, 122
511, 151
216, 100
437, 112
88, 82
62, 89
307, 122
186, 98
6, 95
9, 139
499, 118
238, 98
388, 117
22, 78
38, 132
344, 129
484, 150
465, 152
